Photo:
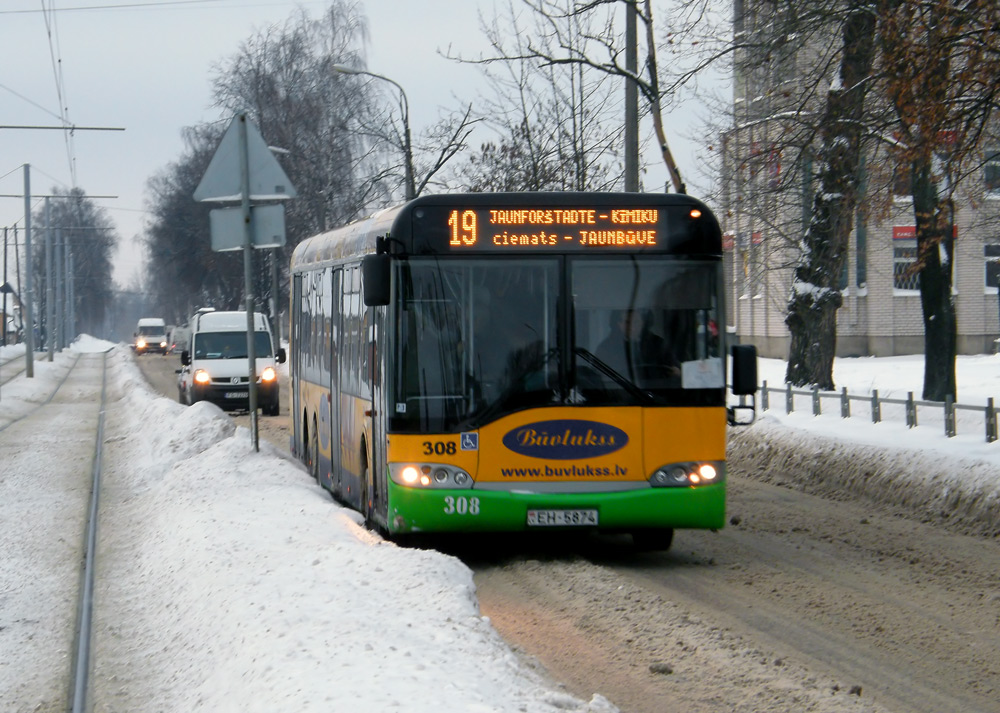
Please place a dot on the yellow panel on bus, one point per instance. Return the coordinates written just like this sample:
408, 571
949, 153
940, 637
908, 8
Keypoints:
562, 445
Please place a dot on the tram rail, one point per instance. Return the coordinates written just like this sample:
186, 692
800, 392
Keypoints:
51, 450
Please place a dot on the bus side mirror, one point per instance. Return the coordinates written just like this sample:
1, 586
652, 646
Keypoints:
281, 356
375, 274
744, 383
744, 369
186, 357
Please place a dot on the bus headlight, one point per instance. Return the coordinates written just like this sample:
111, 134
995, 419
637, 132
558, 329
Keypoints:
708, 472
429, 475
673, 475
140, 344
202, 377
268, 374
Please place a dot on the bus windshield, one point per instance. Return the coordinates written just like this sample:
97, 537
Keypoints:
478, 339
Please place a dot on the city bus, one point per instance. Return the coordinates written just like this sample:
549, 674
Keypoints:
519, 362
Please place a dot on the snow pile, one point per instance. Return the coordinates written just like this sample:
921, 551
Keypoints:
278, 598
953, 481
963, 494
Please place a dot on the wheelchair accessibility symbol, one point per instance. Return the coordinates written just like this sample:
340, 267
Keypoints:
470, 442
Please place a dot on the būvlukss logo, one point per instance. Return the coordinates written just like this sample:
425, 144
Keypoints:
565, 439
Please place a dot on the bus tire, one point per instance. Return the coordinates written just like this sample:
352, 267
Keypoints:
313, 456
654, 539
272, 408
367, 493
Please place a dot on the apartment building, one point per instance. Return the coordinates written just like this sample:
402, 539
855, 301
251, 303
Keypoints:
768, 185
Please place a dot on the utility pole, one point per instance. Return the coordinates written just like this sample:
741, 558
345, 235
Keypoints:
50, 285
3, 336
27, 311
61, 275
631, 101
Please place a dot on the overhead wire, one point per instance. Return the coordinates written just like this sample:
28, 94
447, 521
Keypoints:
161, 3
48, 14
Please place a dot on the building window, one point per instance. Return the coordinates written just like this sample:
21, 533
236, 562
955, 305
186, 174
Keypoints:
991, 173
991, 254
902, 188
904, 259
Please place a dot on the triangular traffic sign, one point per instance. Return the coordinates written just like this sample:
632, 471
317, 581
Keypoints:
221, 181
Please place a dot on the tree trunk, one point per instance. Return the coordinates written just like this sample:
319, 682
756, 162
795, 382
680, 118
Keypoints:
816, 296
935, 252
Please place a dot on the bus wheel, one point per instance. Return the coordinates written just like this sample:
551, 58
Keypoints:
367, 495
314, 452
653, 539
272, 409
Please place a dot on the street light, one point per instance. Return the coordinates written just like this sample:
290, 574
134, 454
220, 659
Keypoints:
407, 148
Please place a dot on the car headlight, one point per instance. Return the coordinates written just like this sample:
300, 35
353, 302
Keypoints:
674, 475
141, 344
268, 374
163, 345
202, 377
429, 475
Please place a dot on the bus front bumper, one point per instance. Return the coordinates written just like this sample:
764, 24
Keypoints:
473, 510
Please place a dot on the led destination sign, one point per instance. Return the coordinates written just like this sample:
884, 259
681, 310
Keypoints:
497, 229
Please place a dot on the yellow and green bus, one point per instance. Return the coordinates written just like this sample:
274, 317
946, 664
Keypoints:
519, 361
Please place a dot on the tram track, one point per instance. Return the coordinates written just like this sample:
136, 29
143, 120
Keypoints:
11, 368
51, 450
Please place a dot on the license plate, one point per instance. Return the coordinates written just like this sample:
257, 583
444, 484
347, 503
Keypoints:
236, 394
561, 518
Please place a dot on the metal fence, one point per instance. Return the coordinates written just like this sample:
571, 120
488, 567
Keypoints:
947, 412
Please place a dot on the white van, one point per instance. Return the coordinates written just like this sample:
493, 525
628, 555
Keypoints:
215, 367
150, 336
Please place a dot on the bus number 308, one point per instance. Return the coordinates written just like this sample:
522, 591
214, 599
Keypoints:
461, 505
439, 448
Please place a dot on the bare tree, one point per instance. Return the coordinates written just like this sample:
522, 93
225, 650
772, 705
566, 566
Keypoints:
283, 78
397, 164
558, 127
89, 238
921, 96
941, 62
184, 272
816, 295
583, 34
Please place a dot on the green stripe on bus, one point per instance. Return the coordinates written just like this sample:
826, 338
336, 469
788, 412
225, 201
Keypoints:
440, 510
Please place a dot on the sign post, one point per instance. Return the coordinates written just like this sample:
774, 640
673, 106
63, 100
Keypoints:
243, 169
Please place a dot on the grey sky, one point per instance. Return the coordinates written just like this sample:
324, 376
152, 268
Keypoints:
146, 68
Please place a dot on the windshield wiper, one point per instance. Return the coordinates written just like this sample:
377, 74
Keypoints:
516, 386
620, 379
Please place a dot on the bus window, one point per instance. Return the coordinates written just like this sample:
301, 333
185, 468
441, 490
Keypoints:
644, 329
475, 337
